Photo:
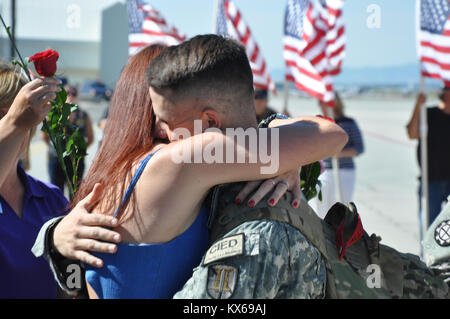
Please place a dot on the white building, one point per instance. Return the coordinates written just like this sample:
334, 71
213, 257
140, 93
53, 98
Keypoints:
91, 36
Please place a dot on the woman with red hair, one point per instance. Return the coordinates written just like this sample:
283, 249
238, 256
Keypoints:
130, 135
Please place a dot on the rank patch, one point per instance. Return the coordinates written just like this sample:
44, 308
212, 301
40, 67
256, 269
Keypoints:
442, 233
224, 248
222, 281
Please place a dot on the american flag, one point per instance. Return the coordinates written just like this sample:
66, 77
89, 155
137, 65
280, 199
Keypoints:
314, 46
230, 23
434, 39
148, 26
335, 49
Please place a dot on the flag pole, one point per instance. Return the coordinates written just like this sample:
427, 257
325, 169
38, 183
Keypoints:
423, 133
215, 13
424, 212
286, 95
335, 163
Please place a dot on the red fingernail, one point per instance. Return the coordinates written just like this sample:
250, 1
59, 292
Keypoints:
272, 201
295, 204
251, 203
238, 201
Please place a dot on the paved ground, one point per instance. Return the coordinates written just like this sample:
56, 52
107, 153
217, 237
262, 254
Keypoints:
386, 173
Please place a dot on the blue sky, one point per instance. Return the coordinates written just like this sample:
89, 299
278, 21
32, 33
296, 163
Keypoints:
390, 45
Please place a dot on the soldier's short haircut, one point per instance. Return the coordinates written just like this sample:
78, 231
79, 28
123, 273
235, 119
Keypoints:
207, 64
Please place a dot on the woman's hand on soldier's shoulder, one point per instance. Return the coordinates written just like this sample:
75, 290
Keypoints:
288, 182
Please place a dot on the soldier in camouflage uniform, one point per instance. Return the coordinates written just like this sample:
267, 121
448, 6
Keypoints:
279, 260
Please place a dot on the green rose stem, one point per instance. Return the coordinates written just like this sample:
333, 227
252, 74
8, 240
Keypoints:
56, 123
76, 144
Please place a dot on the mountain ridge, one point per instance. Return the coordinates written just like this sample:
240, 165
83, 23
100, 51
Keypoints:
407, 75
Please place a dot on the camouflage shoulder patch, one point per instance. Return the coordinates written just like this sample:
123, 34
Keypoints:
227, 247
221, 281
436, 241
442, 233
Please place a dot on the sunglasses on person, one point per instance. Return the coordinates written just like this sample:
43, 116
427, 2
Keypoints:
261, 94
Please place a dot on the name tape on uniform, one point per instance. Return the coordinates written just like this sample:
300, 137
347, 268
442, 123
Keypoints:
224, 248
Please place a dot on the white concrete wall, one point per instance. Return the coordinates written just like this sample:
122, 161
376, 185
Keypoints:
91, 36
78, 60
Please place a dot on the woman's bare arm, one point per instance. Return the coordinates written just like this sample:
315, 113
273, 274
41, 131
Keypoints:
173, 186
28, 109
295, 143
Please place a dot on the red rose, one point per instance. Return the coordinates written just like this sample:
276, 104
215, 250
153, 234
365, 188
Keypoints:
45, 62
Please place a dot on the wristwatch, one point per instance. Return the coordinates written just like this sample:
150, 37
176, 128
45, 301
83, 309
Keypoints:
265, 123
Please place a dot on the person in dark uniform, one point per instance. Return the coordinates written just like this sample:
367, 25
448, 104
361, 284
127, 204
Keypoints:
438, 118
262, 109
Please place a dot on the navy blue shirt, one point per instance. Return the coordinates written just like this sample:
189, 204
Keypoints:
355, 141
22, 275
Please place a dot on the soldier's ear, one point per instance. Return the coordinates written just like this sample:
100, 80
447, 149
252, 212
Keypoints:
211, 119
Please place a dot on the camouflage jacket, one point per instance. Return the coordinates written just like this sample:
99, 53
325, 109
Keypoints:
367, 269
